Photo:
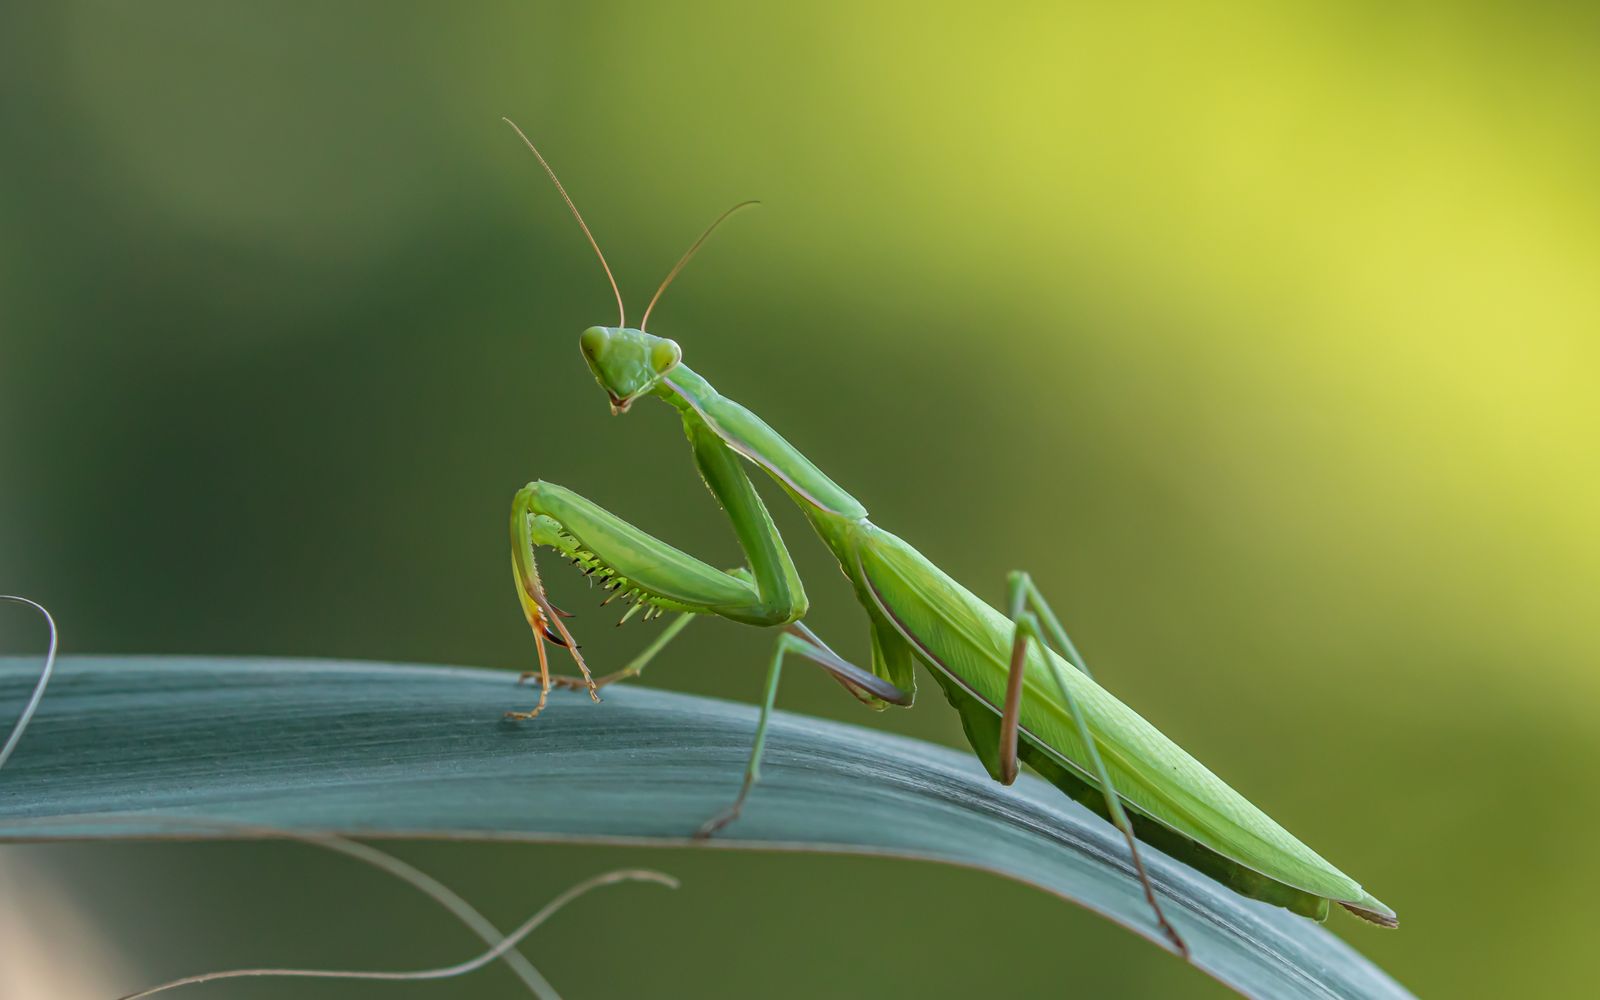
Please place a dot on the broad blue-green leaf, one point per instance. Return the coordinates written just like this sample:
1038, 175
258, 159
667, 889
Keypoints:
371, 749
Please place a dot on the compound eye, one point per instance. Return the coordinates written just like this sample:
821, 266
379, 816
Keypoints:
665, 355
593, 342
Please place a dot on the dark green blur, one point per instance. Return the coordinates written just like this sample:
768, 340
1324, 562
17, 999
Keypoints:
1265, 338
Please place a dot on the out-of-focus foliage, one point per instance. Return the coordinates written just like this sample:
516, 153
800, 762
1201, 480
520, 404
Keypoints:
1263, 334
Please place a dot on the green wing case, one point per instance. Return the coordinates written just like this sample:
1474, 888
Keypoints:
1181, 807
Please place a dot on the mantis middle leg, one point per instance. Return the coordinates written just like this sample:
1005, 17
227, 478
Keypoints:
1027, 607
797, 639
633, 668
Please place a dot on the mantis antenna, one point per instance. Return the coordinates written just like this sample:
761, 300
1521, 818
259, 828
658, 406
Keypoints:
689, 254
622, 315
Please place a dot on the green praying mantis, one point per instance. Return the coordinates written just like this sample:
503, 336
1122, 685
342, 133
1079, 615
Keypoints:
1023, 692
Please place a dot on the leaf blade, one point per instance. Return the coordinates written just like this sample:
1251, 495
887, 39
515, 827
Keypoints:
369, 749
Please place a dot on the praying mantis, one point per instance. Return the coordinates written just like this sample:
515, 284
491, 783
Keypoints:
1023, 692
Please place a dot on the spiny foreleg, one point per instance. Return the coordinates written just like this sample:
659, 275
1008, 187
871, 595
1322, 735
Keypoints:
647, 573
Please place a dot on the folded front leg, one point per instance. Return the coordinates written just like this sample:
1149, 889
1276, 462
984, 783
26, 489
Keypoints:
647, 573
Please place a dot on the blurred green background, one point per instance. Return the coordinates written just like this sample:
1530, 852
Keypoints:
1264, 335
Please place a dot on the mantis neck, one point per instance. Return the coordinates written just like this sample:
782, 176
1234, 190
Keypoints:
750, 436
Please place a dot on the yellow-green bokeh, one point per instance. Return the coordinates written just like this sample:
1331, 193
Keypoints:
1265, 335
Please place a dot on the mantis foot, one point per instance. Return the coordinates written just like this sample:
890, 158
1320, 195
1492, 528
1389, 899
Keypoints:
571, 683
712, 826
544, 696
565, 683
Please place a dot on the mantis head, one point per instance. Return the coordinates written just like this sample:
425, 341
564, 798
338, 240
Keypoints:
627, 363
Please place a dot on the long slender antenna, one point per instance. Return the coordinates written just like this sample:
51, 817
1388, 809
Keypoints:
688, 254
622, 314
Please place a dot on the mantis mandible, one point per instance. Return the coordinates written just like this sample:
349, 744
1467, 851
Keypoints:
1023, 692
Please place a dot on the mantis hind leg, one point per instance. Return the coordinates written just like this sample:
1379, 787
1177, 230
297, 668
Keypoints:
1028, 609
798, 639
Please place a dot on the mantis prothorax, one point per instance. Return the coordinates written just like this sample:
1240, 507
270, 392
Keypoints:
1022, 690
